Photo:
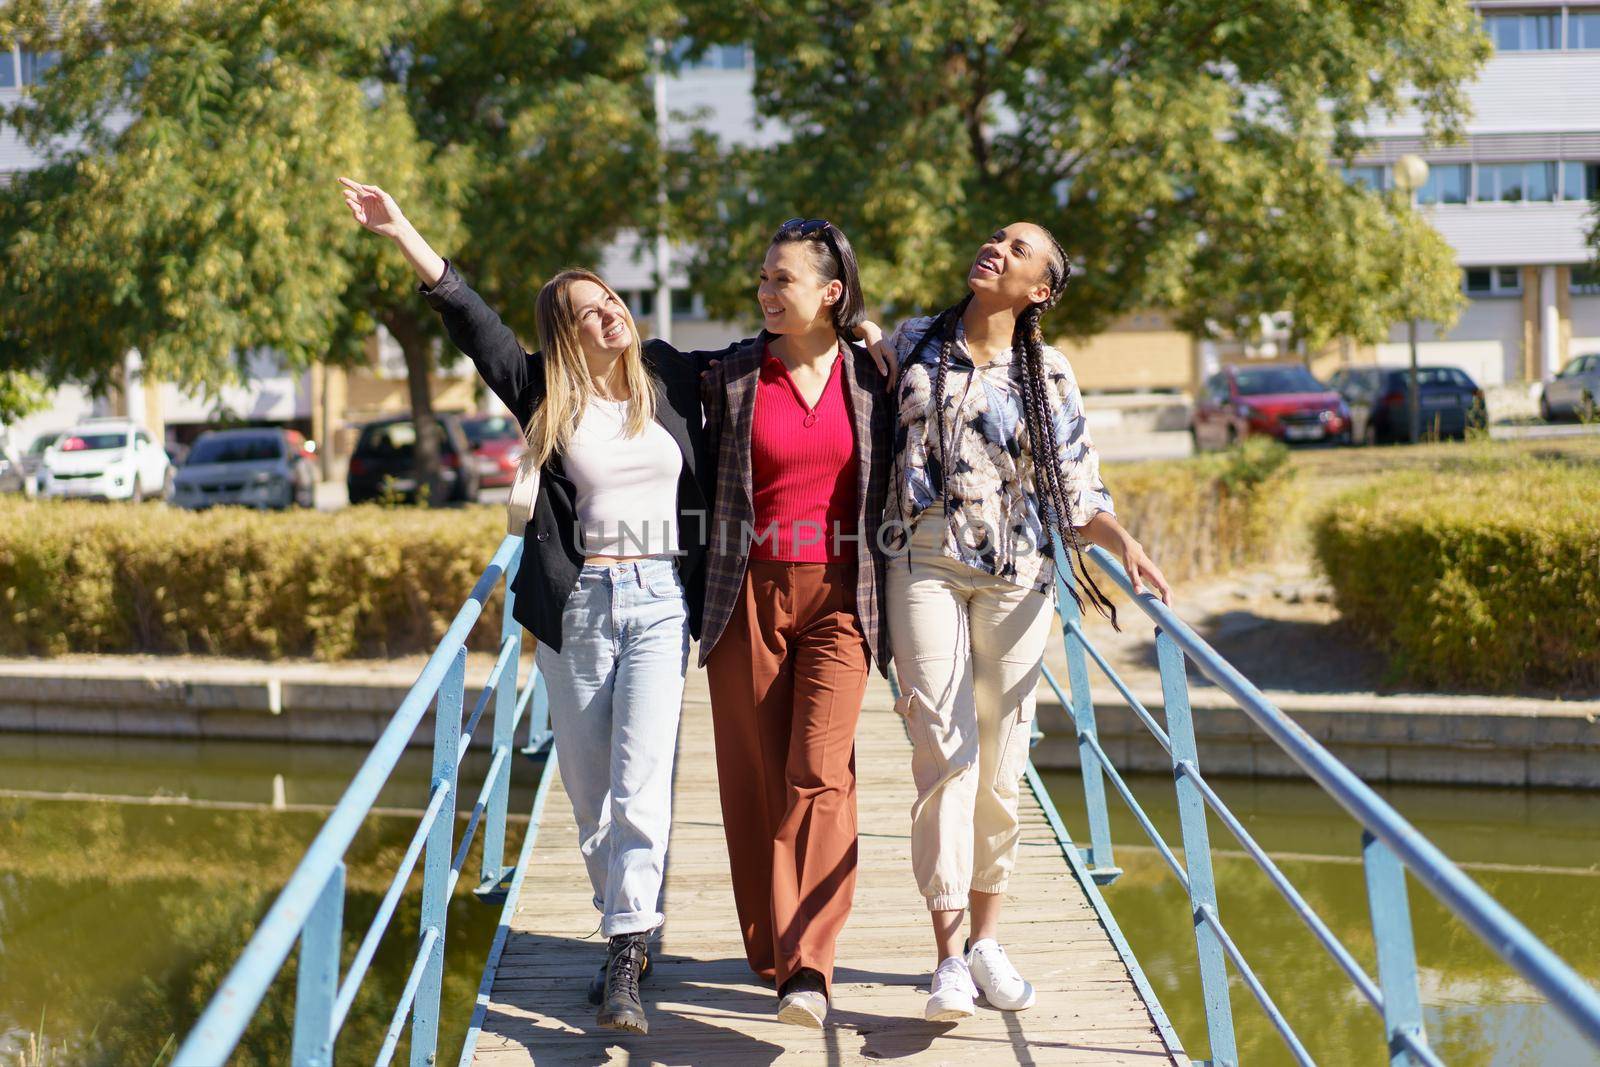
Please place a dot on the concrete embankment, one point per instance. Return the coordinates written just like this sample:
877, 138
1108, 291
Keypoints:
1440, 739
1455, 740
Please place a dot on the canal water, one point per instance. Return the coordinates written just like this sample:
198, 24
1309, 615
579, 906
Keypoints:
1536, 852
132, 871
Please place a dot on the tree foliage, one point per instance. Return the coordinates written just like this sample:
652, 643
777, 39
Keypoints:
1180, 149
189, 207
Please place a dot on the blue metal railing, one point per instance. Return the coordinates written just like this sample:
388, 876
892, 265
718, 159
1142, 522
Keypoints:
1390, 847
310, 908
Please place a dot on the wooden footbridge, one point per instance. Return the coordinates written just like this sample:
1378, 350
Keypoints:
705, 1005
1094, 1005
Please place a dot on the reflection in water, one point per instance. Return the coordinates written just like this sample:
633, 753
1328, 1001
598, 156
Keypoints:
1535, 852
119, 918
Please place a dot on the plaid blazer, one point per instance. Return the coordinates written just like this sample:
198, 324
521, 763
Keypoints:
728, 394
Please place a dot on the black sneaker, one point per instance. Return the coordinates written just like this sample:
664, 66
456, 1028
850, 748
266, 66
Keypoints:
597, 984
621, 1010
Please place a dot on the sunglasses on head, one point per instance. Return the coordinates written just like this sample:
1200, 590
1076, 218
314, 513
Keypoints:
805, 227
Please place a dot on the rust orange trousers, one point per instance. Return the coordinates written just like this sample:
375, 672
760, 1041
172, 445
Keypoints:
787, 677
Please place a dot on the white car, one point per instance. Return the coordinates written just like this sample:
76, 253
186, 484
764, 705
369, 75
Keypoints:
105, 459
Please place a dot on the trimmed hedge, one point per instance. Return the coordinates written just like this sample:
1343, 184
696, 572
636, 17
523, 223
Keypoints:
1206, 514
371, 581
366, 581
1482, 577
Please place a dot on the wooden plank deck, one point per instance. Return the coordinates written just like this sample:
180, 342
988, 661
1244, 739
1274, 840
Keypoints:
707, 1008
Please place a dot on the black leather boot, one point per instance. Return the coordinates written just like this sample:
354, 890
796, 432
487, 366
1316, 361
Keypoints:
625, 960
597, 984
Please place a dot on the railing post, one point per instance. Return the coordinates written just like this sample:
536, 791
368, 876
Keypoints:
505, 706
1196, 851
1102, 865
436, 862
318, 982
1397, 954
538, 710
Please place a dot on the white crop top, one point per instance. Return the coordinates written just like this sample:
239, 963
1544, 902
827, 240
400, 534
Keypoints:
627, 486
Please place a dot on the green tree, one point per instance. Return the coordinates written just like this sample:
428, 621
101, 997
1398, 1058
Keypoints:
189, 207
1180, 149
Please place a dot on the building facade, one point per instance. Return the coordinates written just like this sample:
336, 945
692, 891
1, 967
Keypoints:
1515, 198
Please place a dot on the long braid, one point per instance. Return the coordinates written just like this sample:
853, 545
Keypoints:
1027, 344
943, 327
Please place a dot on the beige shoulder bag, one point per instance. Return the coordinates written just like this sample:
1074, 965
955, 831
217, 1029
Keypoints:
524, 491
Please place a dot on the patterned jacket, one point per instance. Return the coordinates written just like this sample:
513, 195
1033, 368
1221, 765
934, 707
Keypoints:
993, 520
728, 393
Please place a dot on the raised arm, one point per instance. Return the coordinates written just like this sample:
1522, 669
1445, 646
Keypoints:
514, 375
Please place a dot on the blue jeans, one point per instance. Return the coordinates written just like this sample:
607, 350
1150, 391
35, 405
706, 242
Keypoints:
616, 694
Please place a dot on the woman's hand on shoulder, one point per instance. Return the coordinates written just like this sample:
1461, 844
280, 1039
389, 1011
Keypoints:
882, 352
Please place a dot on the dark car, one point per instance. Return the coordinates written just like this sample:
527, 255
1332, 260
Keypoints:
255, 468
497, 445
384, 462
1379, 401
1281, 400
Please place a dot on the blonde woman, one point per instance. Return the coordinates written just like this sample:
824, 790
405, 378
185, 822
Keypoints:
612, 579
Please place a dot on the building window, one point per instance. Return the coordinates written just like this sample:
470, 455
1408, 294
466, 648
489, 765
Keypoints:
715, 57
642, 303
1491, 281
8, 68
1448, 183
1375, 178
1585, 281
36, 64
1524, 32
1512, 182
1583, 30
1579, 180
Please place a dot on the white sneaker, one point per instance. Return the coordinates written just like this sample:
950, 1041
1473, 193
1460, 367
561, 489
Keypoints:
953, 993
1002, 986
804, 1008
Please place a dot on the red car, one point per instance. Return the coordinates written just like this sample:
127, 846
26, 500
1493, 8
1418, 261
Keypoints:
497, 445
1281, 400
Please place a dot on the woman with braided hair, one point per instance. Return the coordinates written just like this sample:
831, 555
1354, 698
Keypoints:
992, 463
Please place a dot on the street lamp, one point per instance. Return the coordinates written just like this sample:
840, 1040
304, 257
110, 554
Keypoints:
1410, 174
658, 49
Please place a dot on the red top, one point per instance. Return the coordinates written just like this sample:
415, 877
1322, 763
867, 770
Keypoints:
803, 469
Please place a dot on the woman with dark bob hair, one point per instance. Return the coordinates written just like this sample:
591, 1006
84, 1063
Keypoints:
798, 421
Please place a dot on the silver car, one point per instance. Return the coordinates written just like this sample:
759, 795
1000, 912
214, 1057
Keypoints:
21, 474
259, 468
10, 467
1574, 393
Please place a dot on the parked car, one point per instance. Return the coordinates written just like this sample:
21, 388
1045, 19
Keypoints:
384, 460
33, 463
105, 459
10, 466
497, 444
1380, 405
1574, 393
1280, 400
257, 468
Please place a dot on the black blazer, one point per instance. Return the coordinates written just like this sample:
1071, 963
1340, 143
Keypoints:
551, 559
